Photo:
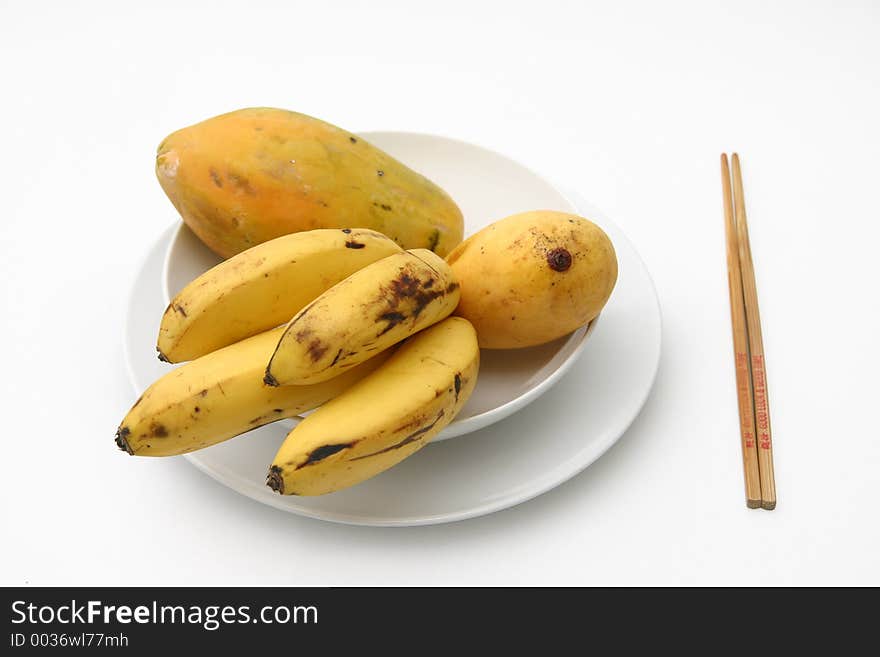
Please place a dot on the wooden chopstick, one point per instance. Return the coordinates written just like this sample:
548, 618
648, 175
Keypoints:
744, 396
756, 345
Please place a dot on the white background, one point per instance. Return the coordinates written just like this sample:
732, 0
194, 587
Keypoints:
631, 104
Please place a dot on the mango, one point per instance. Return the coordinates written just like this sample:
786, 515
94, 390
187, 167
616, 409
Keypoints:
252, 175
533, 277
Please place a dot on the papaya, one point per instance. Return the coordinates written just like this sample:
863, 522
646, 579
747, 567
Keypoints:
249, 176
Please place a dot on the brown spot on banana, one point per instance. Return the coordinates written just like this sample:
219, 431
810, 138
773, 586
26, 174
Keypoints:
317, 349
322, 452
416, 421
407, 287
411, 438
404, 285
393, 318
158, 430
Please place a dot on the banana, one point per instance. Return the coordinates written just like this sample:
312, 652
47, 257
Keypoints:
369, 311
389, 415
219, 396
262, 288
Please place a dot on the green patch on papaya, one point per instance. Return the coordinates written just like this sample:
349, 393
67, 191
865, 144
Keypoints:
434, 239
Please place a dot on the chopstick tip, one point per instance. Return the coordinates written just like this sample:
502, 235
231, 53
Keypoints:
768, 506
753, 504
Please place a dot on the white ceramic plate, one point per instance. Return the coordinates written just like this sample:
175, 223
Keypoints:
487, 187
496, 467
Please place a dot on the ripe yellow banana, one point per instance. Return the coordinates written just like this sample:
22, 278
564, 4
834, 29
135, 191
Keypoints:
389, 415
369, 311
263, 287
221, 395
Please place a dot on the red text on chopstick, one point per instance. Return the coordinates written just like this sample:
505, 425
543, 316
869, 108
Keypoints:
762, 418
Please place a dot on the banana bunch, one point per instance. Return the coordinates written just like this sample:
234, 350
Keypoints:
219, 396
312, 320
383, 418
262, 288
